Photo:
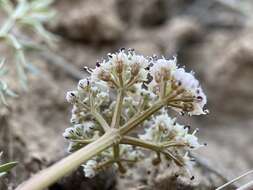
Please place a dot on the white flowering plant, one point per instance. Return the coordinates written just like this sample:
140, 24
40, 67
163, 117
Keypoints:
126, 92
21, 16
4, 90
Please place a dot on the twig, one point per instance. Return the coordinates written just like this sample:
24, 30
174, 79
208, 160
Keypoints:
234, 180
57, 60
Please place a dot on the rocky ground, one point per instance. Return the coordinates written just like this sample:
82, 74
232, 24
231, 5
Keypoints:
212, 38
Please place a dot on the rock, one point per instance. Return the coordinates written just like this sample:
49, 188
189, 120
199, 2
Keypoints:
91, 21
231, 74
212, 14
178, 33
105, 180
33, 127
144, 13
146, 48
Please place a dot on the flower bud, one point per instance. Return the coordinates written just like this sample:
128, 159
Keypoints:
119, 66
83, 84
165, 74
105, 76
158, 77
135, 68
89, 168
71, 96
188, 107
156, 161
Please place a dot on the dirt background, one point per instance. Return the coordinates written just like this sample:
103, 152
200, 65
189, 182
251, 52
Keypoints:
213, 38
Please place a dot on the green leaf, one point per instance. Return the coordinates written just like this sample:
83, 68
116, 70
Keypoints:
10, 93
38, 5
14, 42
2, 98
7, 167
21, 9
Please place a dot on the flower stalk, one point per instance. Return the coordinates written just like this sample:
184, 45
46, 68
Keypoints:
138, 103
118, 109
50, 175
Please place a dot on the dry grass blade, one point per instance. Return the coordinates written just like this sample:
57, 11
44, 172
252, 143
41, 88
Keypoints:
234, 180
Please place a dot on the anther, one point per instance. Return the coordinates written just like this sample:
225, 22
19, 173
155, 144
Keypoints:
182, 113
98, 64
87, 69
147, 68
187, 127
109, 55
206, 111
199, 98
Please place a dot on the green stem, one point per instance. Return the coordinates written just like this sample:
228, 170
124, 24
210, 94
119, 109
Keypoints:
117, 110
97, 115
149, 145
83, 141
173, 144
136, 120
8, 25
115, 124
163, 85
171, 156
105, 164
132, 81
116, 156
101, 120
141, 143
50, 175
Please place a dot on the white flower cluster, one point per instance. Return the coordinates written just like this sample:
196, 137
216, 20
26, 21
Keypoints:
90, 168
89, 96
192, 87
4, 90
166, 72
121, 69
80, 134
128, 68
164, 130
144, 83
22, 15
